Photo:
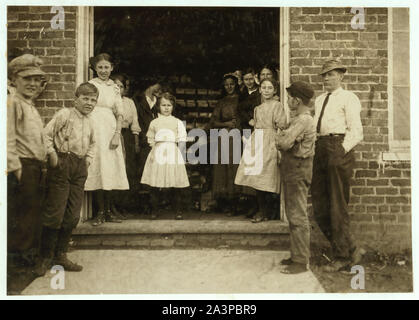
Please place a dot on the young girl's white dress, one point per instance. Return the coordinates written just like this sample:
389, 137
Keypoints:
107, 170
165, 165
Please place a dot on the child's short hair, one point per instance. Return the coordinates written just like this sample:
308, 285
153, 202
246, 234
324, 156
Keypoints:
273, 81
167, 96
101, 56
86, 88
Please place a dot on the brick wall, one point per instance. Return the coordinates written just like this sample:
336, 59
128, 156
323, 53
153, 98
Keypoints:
380, 193
29, 31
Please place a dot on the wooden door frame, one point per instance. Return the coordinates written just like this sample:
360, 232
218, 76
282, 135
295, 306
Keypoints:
85, 49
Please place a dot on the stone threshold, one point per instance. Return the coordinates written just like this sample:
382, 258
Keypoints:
169, 226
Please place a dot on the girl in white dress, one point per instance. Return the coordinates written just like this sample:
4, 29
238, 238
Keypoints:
165, 165
107, 171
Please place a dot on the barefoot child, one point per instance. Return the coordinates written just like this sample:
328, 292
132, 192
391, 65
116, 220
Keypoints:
70, 145
297, 147
165, 166
268, 118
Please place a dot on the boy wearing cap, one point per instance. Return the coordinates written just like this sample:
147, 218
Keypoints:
297, 147
339, 130
70, 145
26, 156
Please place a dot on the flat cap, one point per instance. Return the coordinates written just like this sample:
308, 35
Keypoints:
26, 65
332, 65
301, 89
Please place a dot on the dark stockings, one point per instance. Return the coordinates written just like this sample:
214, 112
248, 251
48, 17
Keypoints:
103, 200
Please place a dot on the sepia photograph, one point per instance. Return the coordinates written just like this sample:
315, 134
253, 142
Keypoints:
207, 150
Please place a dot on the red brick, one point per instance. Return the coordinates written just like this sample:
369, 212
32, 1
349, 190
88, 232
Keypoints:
361, 165
335, 27
361, 217
325, 36
379, 182
373, 165
16, 44
404, 219
313, 27
397, 200
69, 69
384, 191
348, 36
39, 9
390, 173
383, 209
407, 209
336, 11
377, 10
51, 69
53, 34
371, 199
311, 10
39, 43
54, 104
372, 209
384, 218
400, 229
29, 17
357, 182
365, 174
359, 208
394, 209
406, 191
64, 43
366, 36
370, 155
63, 60
401, 182
362, 191
358, 87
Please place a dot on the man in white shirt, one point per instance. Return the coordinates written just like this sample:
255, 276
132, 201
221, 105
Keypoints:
339, 130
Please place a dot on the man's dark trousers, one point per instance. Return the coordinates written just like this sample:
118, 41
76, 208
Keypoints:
332, 171
24, 201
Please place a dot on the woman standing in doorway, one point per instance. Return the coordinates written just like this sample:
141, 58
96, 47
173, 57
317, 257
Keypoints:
107, 171
225, 117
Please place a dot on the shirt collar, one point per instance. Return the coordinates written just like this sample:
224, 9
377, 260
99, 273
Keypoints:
336, 91
109, 82
78, 113
18, 95
151, 102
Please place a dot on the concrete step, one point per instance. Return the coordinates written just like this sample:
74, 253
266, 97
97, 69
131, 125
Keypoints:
163, 234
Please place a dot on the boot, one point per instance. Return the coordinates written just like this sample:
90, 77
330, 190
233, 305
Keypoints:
48, 243
61, 252
68, 265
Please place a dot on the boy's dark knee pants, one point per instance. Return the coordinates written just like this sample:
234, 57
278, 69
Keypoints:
65, 192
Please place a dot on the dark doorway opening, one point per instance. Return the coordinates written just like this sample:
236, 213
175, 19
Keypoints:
203, 43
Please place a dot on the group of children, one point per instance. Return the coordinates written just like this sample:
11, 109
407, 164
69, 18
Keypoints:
82, 146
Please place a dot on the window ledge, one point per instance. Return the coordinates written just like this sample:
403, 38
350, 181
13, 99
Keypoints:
396, 156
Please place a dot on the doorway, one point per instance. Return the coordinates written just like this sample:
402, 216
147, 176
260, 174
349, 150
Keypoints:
202, 43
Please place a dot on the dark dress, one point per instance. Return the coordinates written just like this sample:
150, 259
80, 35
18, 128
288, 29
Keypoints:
145, 116
246, 108
223, 174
